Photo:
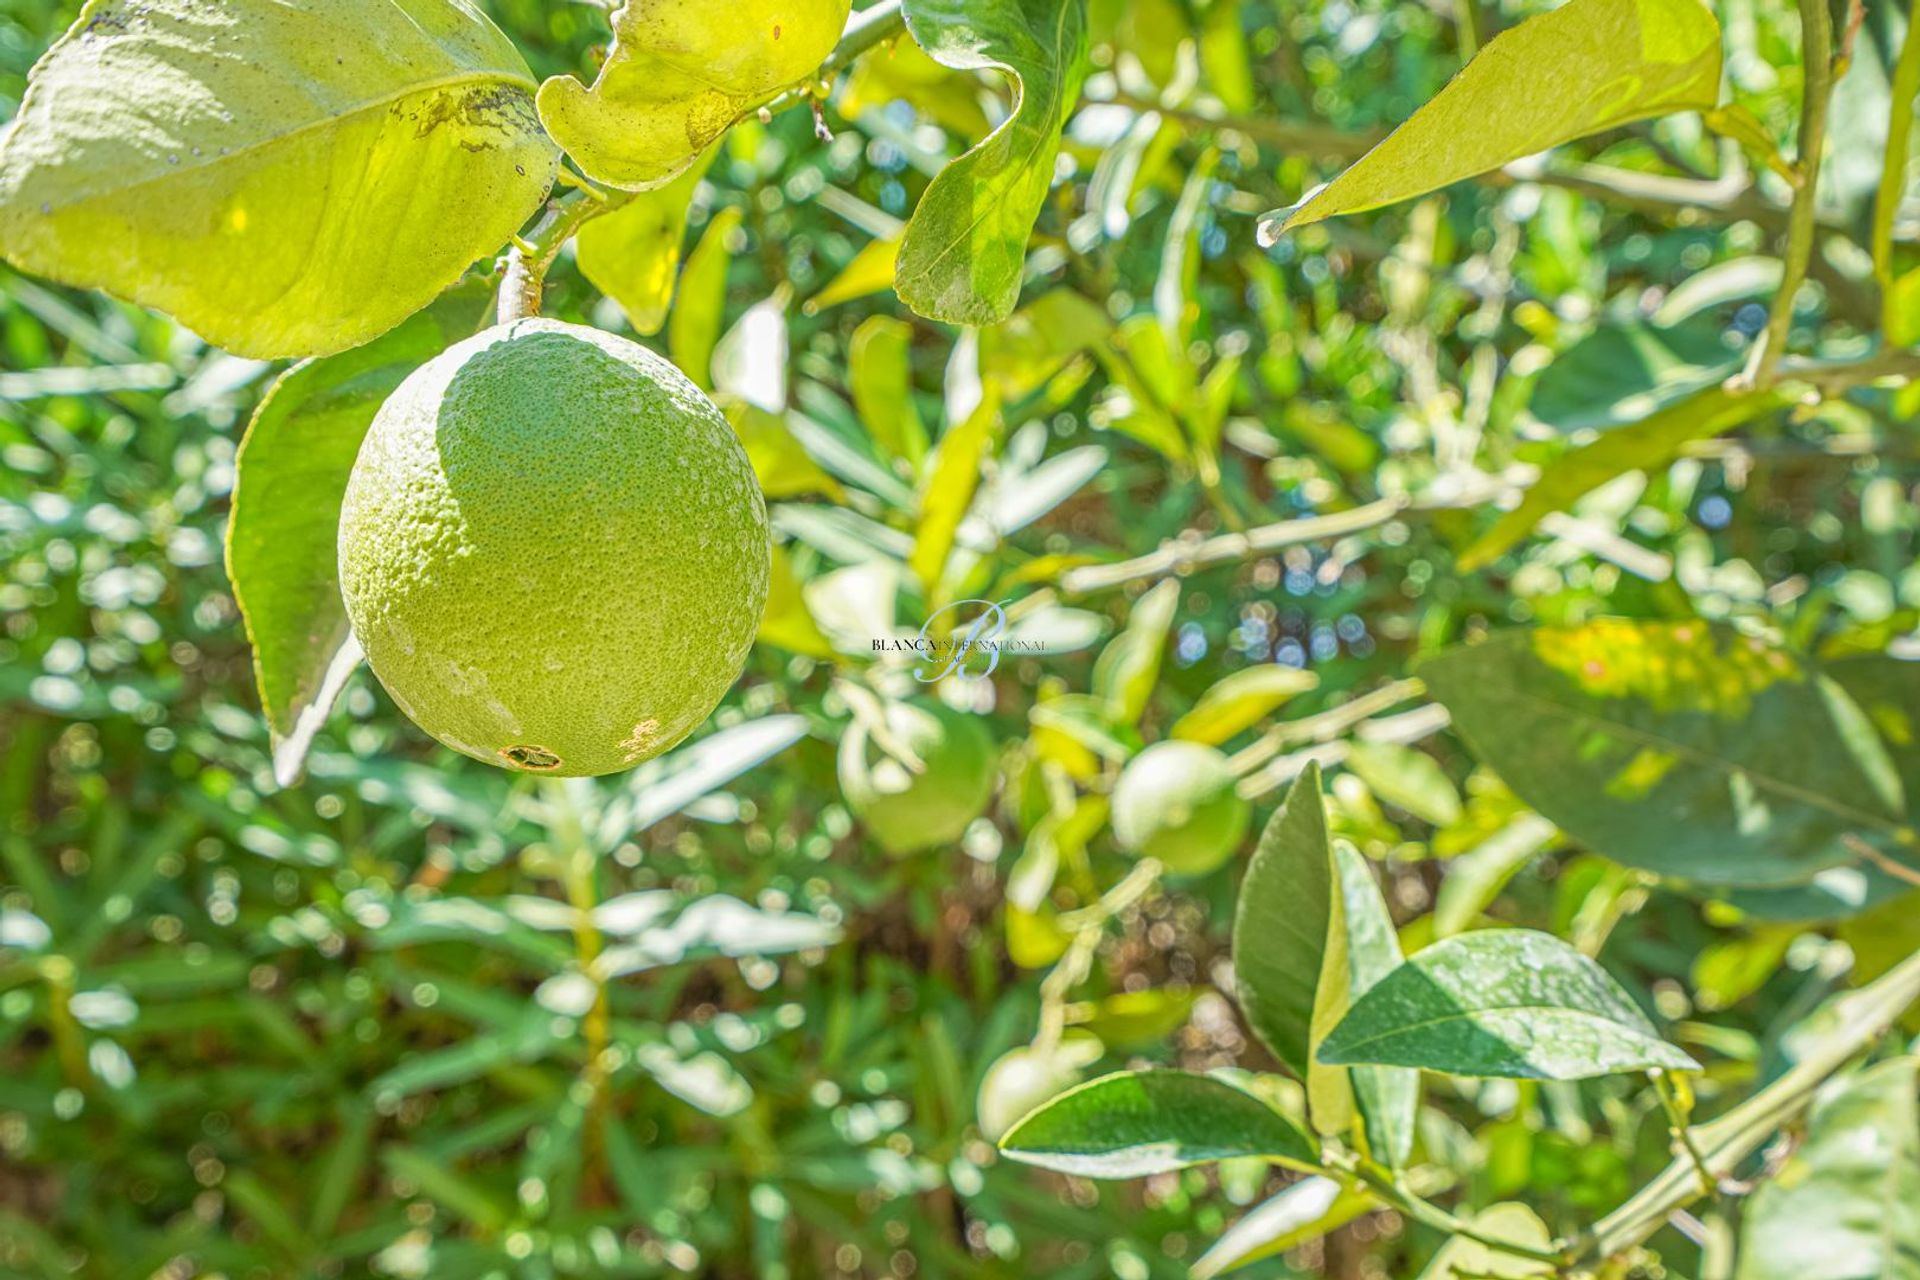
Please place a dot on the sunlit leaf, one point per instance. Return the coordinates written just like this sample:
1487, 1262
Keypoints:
633, 253
948, 491
881, 378
1240, 701
1585, 67
1677, 747
675, 79
965, 247
1296, 1215
693, 326
1127, 670
159, 155
870, 271
1461, 1258
1501, 1002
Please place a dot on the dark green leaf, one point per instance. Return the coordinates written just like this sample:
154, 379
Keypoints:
1680, 748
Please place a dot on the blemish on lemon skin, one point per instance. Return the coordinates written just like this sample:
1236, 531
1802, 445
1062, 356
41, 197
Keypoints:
637, 744
534, 759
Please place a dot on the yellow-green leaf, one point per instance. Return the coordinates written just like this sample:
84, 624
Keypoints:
1463, 1259
1240, 701
949, 491
633, 253
678, 75
881, 378
291, 472
285, 179
869, 271
1587, 66
965, 247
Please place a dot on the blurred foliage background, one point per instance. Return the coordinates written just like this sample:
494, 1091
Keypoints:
345, 1028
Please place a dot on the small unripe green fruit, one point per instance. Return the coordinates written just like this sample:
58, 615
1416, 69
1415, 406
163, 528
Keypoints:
907, 810
1175, 801
554, 550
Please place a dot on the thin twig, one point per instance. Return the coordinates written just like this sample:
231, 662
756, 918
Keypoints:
1893, 173
1816, 40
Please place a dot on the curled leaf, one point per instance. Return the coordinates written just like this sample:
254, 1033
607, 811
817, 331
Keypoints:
677, 77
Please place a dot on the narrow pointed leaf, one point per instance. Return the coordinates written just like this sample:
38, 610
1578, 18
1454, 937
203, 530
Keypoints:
1135, 1123
1502, 1002
1280, 924
1587, 66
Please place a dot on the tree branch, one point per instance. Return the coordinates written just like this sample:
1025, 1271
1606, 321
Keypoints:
1816, 55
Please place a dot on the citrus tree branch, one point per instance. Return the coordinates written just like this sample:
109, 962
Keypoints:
1816, 55
1893, 173
1717, 1147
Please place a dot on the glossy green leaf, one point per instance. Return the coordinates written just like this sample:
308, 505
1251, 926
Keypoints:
1463, 1259
1680, 748
676, 78
633, 253
1585, 67
1135, 1123
160, 155
965, 247
1240, 701
1280, 924
1501, 1002
1647, 445
281, 539
1846, 1204
1296, 1215
1311, 934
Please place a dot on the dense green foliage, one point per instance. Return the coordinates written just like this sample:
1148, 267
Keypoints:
1545, 541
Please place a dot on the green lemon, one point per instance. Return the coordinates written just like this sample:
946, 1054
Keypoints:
906, 807
553, 550
1175, 801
